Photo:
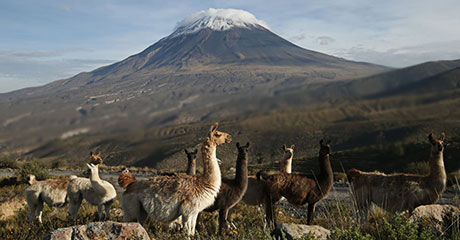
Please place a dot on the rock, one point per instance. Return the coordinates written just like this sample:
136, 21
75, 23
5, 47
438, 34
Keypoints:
438, 215
296, 231
100, 230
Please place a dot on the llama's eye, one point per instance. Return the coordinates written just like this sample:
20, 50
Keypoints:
217, 135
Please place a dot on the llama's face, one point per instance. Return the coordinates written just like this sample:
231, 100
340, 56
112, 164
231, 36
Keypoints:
191, 156
243, 150
437, 146
325, 148
95, 158
288, 152
219, 137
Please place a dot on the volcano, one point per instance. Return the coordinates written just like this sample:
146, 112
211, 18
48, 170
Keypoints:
217, 63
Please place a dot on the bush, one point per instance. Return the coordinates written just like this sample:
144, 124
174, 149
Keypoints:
35, 168
350, 234
399, 227
8, 163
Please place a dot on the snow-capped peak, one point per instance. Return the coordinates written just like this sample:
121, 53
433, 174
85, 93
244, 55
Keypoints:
217, 19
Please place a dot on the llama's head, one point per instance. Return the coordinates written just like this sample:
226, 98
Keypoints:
31, 179
325, 148
243, 150
95, 158
218, 137
288, 152
93, 170
191, 156
126, 178
437, 146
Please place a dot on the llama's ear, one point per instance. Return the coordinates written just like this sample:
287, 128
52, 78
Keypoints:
238, 144
247, 144
443, 136
196, 151
90, 165
292, 146
284, 147
321, 142
98, 154
91, 153
430, 138
214, 127
185, 150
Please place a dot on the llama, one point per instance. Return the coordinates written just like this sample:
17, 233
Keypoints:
232, 190
165, 198
191, 161
255, 192
94, 190
299, 189
51, 191
399, 192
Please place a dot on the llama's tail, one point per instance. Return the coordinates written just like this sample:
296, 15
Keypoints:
72, 177
262, 174
353, 174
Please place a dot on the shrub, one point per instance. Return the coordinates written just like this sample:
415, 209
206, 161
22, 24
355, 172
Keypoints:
350, 234
399, 227
36, 168
8, 163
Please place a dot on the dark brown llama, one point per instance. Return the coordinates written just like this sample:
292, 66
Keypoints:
191, 161
232, 190
299, 189
400, 191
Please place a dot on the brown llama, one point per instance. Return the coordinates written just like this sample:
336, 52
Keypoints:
299, 189
232, 190
165, 198
191, 162
255, 192
399, 191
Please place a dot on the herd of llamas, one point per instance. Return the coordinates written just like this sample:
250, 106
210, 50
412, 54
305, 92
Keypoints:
178, 199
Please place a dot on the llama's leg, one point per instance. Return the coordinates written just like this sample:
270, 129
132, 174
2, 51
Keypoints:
32, 210
270, 212
100, 212
189, 222
142, 216
39, 211
194, 218
74, 206
222, 221
311, 212
229, 218
107, 210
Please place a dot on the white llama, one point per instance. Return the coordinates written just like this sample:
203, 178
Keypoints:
165, 198
94, 190
51, 191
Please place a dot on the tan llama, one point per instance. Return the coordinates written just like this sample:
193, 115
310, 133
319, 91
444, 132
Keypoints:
94, 190
165, 198
399, 192
53, 192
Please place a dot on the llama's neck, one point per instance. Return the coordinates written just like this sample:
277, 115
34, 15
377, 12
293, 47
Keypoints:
286, 165
437, 170
326, 176
211, 169
97, 183
191, 167
241, 176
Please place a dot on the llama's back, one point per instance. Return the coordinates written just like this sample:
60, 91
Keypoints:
51, 191
81, 188
165, 198
392, 192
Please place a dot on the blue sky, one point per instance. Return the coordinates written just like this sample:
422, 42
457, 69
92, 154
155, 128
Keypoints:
46, 40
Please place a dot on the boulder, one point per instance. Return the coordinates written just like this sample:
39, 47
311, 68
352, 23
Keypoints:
100, 230
296, 231
438, 215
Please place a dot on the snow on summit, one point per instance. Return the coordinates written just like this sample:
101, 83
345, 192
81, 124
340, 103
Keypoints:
217, 19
